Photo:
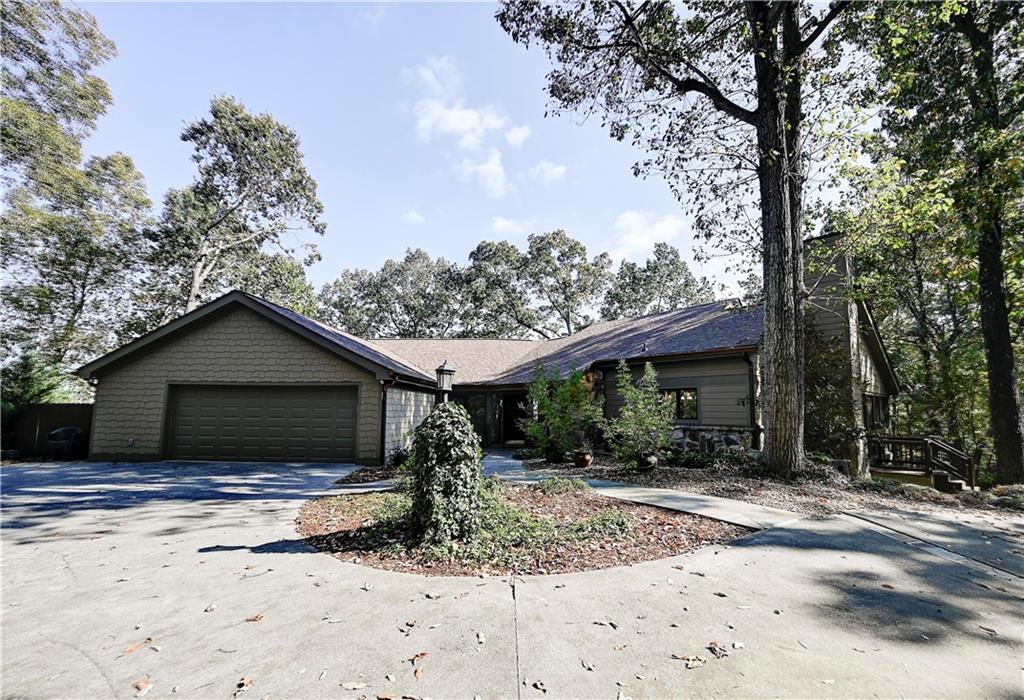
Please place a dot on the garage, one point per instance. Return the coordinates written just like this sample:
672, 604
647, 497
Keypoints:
262, 423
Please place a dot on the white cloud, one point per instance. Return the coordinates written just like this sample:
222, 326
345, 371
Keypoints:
517, 135
489, 173
469, 126
511, 227
442, 110
547, 172
636, 232
413, 217
438, 76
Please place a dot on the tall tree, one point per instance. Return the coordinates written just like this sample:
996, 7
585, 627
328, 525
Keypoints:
952, 75
51, 98
415, 297
565, 280
71, 265
662, 284
498, 293
705, 81
250, 191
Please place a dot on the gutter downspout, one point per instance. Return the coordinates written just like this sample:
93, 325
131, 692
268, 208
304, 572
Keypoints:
385, 384
752, 385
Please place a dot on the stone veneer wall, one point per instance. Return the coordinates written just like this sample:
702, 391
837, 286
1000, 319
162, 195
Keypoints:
406, 409
239, 346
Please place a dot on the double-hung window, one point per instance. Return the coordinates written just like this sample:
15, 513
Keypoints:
686, 403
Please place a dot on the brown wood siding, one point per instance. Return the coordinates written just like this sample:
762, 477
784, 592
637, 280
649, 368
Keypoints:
263, 423
723, 386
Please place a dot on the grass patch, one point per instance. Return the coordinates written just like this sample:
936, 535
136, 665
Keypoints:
560, 484
609, 523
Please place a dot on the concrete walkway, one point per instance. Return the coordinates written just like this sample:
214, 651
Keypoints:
727, 510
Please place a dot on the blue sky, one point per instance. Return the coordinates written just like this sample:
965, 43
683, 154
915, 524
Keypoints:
423, 125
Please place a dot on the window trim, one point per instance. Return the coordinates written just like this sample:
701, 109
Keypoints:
677, 394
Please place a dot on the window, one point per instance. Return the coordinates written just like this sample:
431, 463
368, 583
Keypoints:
686, 403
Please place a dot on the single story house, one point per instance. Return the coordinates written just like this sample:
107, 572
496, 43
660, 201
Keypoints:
242, 378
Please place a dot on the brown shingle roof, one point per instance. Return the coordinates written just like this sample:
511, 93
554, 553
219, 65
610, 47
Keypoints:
697, 329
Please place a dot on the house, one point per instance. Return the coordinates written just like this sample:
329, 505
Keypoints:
242, 378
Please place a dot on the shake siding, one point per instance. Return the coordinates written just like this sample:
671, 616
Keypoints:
723, 386
406, 409
237, 347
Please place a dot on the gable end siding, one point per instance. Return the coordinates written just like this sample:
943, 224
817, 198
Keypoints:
238, 347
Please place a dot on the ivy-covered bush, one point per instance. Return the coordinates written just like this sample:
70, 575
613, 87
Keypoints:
645, 421
563, 414
445, 473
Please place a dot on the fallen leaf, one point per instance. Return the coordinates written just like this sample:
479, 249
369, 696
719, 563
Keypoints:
989, 630
322, 674
242, 686
890, 587
142, 685
690, 661
540, 686
135, 647
255, 617
717, 650
417, 657
367, 586
721, 595
389, 678
479, 638
588, 666
418, 672
432, 596
385, 696
737, 645
352, 685
210, 608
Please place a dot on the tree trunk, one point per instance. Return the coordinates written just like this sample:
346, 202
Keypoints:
1003, 389
988, 214
782, 400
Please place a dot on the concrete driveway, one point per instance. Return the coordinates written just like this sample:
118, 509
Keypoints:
98, 558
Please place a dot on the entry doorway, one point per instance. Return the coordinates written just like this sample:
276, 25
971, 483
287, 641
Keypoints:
513, 410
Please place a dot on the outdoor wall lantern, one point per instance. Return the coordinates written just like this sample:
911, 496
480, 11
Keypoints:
445, 379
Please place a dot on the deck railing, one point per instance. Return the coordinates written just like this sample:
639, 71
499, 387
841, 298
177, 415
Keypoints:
925, 454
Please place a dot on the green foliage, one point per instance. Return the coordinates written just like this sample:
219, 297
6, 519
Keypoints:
828, 401
563, 412
526, 453
51, 96
250, 190
610, 523
565, 281
662, 284
72, 263
415, 297
26, 380
646, 419
446, 475
560, 484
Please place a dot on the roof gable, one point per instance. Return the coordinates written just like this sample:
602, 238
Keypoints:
355, 350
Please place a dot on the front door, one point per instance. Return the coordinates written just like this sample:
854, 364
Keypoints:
512, 411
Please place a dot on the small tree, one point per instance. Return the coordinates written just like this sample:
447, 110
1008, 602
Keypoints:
645, 421
563, 412
26, 380
446, 476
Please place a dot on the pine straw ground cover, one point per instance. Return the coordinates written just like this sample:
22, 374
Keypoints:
557, 526
817, 490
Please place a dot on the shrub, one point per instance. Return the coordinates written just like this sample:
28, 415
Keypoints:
645, 421
446, 475
526, 453
398, 456
559, 484
610, 522
563, 413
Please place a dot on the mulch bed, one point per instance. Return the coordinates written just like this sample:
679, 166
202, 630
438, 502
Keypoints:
367, 475
822, 491
343, 526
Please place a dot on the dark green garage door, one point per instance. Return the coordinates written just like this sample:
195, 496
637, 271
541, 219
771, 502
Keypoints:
262, 423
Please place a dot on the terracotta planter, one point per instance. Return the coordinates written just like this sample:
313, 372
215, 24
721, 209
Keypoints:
582, 459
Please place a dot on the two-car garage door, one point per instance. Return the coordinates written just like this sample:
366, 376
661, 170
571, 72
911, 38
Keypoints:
262, 423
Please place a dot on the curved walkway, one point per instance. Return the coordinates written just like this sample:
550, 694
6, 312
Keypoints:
116, 572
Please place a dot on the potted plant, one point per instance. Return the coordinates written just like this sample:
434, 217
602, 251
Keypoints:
583, 455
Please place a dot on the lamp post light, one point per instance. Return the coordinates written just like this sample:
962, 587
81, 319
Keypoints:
445, 379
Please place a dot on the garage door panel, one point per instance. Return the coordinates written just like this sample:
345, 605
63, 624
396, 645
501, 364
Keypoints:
295, 423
